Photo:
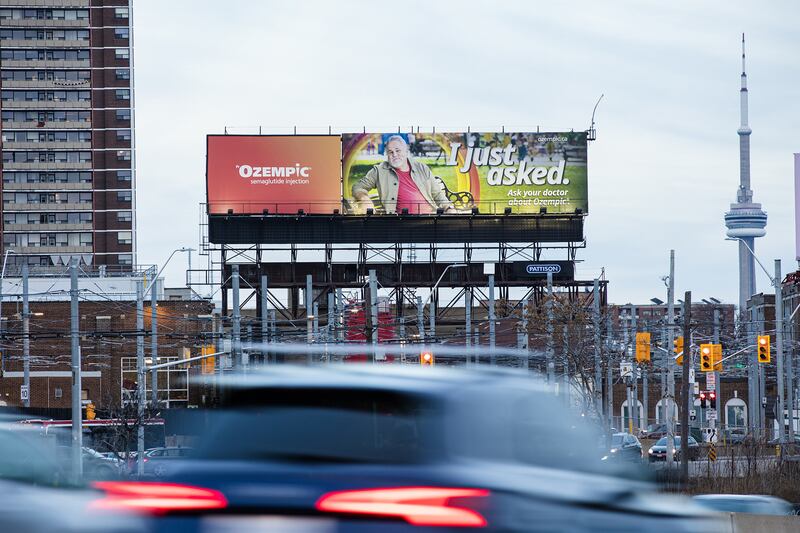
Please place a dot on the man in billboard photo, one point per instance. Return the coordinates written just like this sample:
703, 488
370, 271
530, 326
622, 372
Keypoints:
402, 183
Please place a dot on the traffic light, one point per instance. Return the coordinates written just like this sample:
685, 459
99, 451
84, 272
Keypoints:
763, 349
716, 357
90, 413
712, 399
678, 349
642, 347
703, 400
706, 358
426, 359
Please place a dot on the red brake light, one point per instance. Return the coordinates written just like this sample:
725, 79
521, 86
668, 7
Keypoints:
157, 498
421, 506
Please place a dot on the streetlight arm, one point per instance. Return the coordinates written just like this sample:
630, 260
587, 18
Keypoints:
153, 281
772, 280
448, 267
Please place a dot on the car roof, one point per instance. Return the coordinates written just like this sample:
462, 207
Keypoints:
741, 497
397, 378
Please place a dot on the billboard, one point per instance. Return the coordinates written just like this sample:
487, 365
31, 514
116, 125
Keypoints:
452, 173
282, 174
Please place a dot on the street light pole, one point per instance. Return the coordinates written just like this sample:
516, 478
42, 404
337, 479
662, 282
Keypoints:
430, 299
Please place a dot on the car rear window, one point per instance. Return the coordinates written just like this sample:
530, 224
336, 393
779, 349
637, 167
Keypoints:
322, 426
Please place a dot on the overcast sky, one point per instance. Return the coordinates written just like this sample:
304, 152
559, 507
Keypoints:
662, 172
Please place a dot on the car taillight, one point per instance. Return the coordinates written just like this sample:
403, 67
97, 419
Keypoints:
421, 506
156, 498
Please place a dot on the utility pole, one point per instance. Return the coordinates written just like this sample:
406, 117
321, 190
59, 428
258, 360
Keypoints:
309, 303
245, 354
669, 407
330, 328
420, 319
635, 380
779, 351
26, 337
468, 320
340, 315
609, 376
525, 338
315, 310
598, 375
373, 310
565, 368
154, 339
551, 365
432, 315
492, 340
141, 377
77, 415
236, 339
264, 309
687, 362
717, 383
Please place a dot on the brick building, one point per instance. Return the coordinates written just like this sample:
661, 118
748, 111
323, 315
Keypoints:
108, 350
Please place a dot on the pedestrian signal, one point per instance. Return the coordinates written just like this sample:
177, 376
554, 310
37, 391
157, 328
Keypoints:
426, 359
642, 347
763, 349
706, 358
90, 412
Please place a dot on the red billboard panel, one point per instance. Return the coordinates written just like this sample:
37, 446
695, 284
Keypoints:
247, 174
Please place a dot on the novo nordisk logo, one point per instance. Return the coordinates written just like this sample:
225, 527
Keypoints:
543, 269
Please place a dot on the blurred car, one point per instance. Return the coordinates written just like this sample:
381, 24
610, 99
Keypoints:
625, 447
41, 495
744, 503
363, 449
658, 451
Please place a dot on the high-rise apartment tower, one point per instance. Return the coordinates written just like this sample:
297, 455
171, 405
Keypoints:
67, 133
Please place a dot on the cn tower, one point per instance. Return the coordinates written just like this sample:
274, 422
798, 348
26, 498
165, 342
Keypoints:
745, 221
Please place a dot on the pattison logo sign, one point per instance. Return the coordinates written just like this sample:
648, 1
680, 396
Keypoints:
543, 269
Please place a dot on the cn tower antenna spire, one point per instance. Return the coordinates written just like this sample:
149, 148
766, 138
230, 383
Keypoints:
743, 69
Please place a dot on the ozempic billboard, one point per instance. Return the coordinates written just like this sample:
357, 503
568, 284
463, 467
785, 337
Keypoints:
405, 173
426, 173
282, 174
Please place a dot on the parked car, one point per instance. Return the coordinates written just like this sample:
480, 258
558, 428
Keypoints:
625, 447
745, 503
658, 451
366, 448
95, 465
159, 461
658, 431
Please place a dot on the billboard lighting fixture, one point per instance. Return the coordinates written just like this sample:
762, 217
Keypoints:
230, 211
370, 211
335, 211
440, 210
265, 212
542, 210
578, 211
301, 212
475, 211
507, 211
404, 211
